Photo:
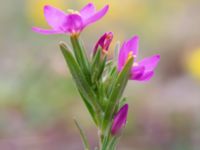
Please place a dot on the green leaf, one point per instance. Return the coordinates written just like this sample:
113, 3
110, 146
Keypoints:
90, 109
80, 80
81, 56
117, 91
83, 136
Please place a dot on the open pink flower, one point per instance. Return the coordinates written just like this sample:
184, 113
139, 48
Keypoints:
142, 70
119, 120
104, 42
70, 23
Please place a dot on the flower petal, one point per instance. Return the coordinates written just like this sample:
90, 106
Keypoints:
119, 120
133, 45
146, 76
123, 55
96, 16
46, 31
150, 62
88, 10
54, 16
73, 24
137, 72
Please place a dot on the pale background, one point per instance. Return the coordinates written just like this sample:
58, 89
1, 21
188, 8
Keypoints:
38, 99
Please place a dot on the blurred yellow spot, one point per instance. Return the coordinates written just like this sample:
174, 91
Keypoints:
193, 63
35, 9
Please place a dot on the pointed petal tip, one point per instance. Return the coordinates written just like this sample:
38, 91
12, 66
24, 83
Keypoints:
110, 33
106, 7
126, 107
90, 4
135, 38
46, 7
35, 29
157, 56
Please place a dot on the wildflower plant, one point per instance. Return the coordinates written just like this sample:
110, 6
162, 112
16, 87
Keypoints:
100, 81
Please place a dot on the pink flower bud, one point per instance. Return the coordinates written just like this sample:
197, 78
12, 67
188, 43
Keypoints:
104, 42
119, 120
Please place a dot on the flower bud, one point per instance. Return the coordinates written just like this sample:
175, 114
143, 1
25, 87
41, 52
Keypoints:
104, 42
119, 120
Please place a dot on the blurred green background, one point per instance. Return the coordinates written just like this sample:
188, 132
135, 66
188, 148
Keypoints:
38, 99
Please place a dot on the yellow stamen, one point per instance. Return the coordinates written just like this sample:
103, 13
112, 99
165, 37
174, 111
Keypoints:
130, 55
71, 11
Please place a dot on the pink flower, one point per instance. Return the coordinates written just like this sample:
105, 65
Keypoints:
70, 23
142, 70
104, 42
119, 120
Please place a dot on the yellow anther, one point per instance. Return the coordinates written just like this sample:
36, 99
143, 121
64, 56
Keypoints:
130, 55
71, 11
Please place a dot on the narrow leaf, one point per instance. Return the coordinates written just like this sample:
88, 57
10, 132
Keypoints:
83, 136
117, 91
81, 56
81, 83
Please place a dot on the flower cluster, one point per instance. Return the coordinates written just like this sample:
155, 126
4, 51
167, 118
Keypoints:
100, 82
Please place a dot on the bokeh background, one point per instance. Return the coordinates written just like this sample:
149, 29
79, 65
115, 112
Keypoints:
38, 99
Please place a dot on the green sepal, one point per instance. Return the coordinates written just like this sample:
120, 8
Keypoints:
81, 83
117, 91
102, 95
98, 65
111, 80
95, 65
102, 66
83, 136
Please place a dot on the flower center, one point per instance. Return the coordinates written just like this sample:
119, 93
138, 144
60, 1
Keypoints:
130, 54
71, 11
135, 64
